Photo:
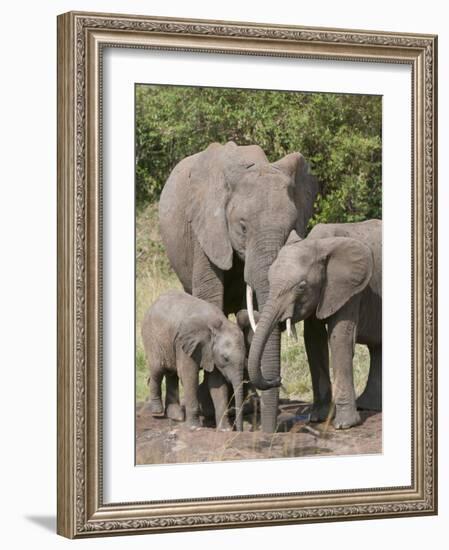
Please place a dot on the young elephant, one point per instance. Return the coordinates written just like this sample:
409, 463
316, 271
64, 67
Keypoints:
333, 280
250, 397
182, 334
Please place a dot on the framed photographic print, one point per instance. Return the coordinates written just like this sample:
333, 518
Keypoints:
246, 274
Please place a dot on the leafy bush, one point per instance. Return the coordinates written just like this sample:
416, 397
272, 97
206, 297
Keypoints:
340, 135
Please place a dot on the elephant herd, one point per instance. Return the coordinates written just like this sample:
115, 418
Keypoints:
234, 229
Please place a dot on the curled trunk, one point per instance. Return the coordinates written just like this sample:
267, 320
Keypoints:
266, 326
258, 262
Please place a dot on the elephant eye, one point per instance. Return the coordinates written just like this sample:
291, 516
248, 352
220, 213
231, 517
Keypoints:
243, 226
302, 286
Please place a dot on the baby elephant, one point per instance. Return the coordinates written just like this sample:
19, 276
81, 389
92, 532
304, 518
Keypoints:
182, 334
333, 280
250, 397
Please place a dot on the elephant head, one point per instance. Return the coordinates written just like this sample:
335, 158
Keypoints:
243, 206
241, 203
217, 343
310, 276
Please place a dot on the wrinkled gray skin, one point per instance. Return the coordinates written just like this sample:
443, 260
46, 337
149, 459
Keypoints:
243, 322
333, 280
182, 334
224, 215
250, 396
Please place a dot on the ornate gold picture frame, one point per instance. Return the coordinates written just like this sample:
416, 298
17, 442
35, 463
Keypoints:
82, 39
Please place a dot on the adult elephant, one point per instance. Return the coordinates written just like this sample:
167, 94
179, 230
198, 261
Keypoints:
333, 280
224, 215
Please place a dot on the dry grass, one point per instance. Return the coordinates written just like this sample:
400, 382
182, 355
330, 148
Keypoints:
296, 381
154, 276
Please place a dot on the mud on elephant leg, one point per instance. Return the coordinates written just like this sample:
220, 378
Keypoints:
371, 398
173, 409
317, 349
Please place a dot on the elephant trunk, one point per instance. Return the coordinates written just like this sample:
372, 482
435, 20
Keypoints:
266, 326
258, 262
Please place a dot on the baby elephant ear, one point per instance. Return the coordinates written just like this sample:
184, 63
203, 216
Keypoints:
195, 340
207, 358
349, 267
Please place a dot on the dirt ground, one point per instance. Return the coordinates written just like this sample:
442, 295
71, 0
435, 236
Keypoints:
161, 440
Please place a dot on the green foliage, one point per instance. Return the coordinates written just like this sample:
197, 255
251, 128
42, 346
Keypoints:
340, 135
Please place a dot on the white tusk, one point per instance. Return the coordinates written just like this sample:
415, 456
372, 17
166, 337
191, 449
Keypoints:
250, 307
295, 334
289, 327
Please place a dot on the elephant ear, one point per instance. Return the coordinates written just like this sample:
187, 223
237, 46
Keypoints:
349, 267
306, 187
208, 196
195, 339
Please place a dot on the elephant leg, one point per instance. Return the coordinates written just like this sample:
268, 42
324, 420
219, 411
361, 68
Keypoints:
155, 405
250, 398
371, 398
189, 372
219, 392
206, 403
173, 407
269, 399
317, 349
342, 330
207, 284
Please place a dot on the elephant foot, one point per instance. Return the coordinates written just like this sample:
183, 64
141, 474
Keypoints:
193, 423
224, 428
346, 418
319, 413
156, 408
224, 425
370, 402
175, 412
